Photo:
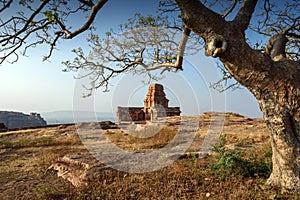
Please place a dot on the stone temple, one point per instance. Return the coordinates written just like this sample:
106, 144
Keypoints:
155, 106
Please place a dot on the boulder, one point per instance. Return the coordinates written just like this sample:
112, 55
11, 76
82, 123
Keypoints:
2, 127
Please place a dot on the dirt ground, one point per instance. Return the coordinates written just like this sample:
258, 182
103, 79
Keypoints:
26, 155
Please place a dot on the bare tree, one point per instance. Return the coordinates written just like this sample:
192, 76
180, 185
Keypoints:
272, 73
43, 23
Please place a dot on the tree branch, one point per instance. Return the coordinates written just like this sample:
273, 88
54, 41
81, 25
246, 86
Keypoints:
267, 10
180, 54
19, 41
181, 47
87, 24
276, 47
242, 19
199, 18
27, 22
88, 3
230, 9
168, 6
5, 5
293, 35
139, 50
207, 24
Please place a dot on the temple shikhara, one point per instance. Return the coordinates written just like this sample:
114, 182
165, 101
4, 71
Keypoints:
155, 106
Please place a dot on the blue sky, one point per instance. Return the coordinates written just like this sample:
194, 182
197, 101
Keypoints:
31, 85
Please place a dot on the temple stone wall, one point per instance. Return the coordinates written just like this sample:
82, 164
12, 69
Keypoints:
155, 105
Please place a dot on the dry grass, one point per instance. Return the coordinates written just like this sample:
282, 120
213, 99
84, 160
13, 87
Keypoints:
26, 155
136, 140
61, 135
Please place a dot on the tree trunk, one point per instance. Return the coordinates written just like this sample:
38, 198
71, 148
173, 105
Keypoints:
278, 94
285, 140
276, 86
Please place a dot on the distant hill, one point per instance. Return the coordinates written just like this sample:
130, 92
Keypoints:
14, 120
66, 117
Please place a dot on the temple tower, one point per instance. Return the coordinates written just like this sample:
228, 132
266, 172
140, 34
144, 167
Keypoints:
155, 99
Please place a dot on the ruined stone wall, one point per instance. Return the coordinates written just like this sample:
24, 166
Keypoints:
130, 114
173, 111
163, 112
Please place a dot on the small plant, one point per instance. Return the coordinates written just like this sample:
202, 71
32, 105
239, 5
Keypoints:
6, 144
48, 192
193, 156
231, 161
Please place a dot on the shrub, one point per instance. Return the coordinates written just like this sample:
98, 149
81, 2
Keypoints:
232, 162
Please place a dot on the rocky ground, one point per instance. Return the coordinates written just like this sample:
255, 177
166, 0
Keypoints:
62, 162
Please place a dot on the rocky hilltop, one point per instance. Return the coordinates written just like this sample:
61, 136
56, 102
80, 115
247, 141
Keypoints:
13, 120
29, 159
